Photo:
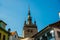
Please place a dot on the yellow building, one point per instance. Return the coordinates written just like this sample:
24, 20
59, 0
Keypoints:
4, 35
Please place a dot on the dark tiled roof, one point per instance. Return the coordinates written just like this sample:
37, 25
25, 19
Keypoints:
39, 32
56, 24
3, 22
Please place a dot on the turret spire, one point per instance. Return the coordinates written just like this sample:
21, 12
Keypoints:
28, 10
25, 22
34, 22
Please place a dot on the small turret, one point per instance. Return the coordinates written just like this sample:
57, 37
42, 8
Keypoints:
9, 30
34, 22
25, 22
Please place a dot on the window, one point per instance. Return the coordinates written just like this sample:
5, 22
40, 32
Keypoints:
31, 31
49, 35
38, 39
44, 37
0, 35
52, 33
15, 36
28, 30
3, 37
58, 34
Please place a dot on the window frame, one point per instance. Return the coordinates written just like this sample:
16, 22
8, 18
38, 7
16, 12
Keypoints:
4, 37
0, 35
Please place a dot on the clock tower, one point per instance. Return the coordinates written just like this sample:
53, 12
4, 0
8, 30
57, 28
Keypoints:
29, 28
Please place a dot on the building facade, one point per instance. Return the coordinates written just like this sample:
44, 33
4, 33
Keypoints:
14, 36
51, 32
4, 35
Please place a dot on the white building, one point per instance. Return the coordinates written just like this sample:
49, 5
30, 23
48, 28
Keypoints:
13, 36
51, 32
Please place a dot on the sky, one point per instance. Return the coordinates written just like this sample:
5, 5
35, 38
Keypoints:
15, 12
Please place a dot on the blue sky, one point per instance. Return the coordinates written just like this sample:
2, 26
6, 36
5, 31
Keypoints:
15, 12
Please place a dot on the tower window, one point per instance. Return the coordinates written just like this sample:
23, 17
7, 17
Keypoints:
28, 30
58, 34
31, 31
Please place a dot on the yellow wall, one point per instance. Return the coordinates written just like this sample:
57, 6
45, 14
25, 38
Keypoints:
3, 33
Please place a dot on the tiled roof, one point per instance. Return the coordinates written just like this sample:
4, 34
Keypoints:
13, 33
56, 24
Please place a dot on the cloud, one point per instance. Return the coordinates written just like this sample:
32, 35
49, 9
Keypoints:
59, 14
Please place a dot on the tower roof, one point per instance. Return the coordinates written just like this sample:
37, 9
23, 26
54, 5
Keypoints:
28, 10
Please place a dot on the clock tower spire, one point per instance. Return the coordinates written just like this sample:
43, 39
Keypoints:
29, 28
29, 17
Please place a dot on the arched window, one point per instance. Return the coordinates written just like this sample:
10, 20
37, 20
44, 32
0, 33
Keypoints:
0, 35
3, 37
